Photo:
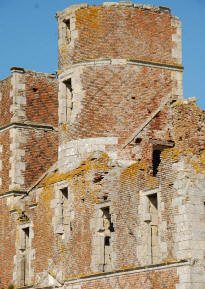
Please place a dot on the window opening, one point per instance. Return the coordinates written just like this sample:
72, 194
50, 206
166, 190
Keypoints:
64, 217
153, 209
156, 161
69, 98
65, 206
24, 256
105, 233
68, 34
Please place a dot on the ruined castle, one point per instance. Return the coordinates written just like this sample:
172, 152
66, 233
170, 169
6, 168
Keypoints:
102, 168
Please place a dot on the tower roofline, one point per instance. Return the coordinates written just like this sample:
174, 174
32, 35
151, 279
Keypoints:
73, 8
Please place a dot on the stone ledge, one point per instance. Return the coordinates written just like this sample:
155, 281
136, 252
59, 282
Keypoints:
15, 69
28, 125
12, 193
126, 271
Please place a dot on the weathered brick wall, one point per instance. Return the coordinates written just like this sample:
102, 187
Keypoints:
31, 99
89, 185
5, 101
5, 154
118, 99
41, 151
41, 98
189, 127
164, 278
7, 241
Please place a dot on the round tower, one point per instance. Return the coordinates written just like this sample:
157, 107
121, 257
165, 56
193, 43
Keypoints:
118, 62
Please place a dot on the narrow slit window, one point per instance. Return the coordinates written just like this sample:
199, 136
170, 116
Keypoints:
66, 221
23, 257
104, 239
68, 34
156, 161
26, 237
69, 98
153, 209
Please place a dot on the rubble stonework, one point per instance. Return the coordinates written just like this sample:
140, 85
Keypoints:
102, 171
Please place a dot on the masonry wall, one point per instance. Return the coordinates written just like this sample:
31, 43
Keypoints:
41, 98
29, 143
118, 77
164, 278
5, 166
5, 101
7, 241
117, 99
39, 149
140, 32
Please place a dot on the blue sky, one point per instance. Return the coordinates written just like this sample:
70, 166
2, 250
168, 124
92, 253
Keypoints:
28, 30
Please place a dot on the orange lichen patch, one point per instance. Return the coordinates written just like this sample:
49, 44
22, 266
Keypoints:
132, 171
196, 160
199, 165
90, 18
64, 127
77, 179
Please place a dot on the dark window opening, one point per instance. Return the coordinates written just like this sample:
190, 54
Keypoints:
67, 22
107, 241
26, 231
68, 85
153, 200
65, 193
69, 98
106, 213
68, 36
156, 161
26, 237
35, 89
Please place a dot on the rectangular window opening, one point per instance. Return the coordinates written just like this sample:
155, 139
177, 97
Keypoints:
26, 237
68, 34
69, 98
105, 234
107, 241
65, 192
156, 161
153, 209
23, 257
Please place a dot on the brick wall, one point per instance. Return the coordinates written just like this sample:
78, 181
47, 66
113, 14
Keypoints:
41, 97
5, 101
117, 99
27, 148
5, 155
41, 152
164, 278
117, 31
7, 241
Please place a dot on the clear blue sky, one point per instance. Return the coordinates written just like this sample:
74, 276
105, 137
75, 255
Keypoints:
28, 30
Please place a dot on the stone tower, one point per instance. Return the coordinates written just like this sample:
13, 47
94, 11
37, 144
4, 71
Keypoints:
118, 63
